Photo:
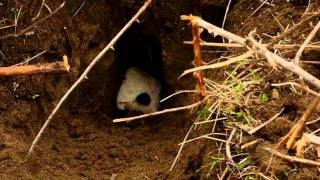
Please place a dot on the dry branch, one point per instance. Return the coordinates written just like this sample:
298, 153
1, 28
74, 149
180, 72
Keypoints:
54, 67
305, 88
157, 113
276, 46
310, 62
29, 59
33, 25
253, 130
228, 151
292, 158
251, 143
87, 70
306, 42
252, 44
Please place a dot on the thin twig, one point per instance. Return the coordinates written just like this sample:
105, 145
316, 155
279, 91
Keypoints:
228, 151
220, 64
310, 62
87, 70
251, 143
305, 88
257, 9
308, 7
29, 59
293, 28
157, 113
39, 11
179, 92
48, 8
79, 8
9, 26
16, 19
208, 136
181, 147
313, 121
276, 46
254, 130
292, 158
309, 38
225, 15
33, 25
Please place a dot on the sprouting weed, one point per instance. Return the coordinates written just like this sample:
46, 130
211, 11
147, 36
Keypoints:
217, 159
256, 77
203, 113
249, 119
244, 163
239, 88
250, 178
238, 115
264, 97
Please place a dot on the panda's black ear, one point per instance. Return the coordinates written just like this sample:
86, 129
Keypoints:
143, 99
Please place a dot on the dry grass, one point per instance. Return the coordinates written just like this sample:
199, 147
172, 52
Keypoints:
231, 100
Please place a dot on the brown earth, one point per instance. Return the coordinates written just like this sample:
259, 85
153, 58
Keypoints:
81, 141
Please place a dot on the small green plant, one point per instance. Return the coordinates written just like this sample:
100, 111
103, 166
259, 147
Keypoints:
249, 178
217, 159
203, 113
237, 115
244, 163
256, 77
241, 115
264, 98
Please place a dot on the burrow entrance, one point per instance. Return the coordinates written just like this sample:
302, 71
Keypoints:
138, 49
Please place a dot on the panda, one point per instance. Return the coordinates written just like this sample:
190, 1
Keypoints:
139, 56
139, 92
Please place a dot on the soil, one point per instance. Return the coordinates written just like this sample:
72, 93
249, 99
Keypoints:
82, 142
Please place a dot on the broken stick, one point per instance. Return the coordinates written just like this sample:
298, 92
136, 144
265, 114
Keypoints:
54, 67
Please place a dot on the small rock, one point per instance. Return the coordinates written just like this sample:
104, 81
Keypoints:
275, 94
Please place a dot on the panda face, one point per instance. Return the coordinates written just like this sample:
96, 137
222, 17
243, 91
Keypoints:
139, 92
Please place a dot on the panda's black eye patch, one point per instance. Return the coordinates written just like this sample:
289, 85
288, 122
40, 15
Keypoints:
143, 99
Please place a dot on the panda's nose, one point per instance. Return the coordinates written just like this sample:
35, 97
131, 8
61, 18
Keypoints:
143, 99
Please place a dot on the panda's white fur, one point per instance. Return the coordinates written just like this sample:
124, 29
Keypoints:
135, 83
